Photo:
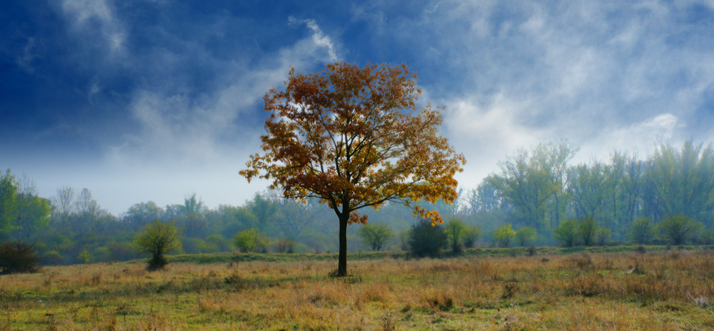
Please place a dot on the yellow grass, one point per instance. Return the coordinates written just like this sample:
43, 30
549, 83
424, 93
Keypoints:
630, 291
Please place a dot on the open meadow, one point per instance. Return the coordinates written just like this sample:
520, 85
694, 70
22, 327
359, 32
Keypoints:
662, 290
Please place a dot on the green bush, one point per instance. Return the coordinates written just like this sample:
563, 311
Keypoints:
426, 239
642, 231
504, 235
375, 236
471, 235
566, 233
18, 257
587, 227
679, 229
455, 232
158, 238
251, 240
526, 236
285, 246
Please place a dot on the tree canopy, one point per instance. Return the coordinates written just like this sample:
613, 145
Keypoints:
355, 138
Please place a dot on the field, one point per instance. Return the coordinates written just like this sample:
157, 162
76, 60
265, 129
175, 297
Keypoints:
654, 290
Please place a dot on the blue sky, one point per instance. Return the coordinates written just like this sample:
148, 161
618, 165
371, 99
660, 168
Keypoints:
142, 100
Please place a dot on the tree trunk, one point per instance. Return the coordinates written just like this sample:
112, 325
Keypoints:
342, 264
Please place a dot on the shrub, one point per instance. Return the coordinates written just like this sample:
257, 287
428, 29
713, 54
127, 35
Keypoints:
251, 240
455, 231
17, 257
504, 235
158, 238
566, 233
642, 230
84, 257
285, 246
217, 240
404, 240
375, 236
471, 234
678, 229
426, 239
586, 231
526, 236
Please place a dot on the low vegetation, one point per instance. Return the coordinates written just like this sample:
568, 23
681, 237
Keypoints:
653, 289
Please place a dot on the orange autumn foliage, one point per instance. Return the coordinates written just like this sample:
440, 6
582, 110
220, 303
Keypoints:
354, 138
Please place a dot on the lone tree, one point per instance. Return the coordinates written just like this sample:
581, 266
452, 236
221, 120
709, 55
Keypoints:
355, 138
158, 238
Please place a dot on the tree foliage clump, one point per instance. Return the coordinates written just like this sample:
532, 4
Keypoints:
567, 233
426, 239
642, 231
17, 257
251, 240
356, 138
375, 235
158, 239
525, 236
455, 232
679, 229
504, 235
471, 234
587, 228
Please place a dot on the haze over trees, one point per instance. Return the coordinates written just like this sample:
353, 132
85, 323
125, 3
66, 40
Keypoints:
622, 197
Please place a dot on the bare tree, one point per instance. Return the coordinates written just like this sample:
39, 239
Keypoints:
63, 203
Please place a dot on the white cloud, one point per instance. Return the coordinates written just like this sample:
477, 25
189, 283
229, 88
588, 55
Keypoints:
318, 37
87, 15
641, 137
180, 144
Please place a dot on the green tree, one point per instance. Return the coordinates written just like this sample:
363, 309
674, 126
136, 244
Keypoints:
17, 257
642, 230
567, 233
587, 186
587, 227
264, 208
678, 229
158, 239
194, 217
455, 232
504, 235
141, 214
471, 234
532, 183
250, 240
375, 235
8, 203
426, 239
683, 181
526, 236
356, 138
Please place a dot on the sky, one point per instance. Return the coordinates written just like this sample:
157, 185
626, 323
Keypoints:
156, 100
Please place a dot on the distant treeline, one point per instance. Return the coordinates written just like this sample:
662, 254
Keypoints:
539, 189
535, 189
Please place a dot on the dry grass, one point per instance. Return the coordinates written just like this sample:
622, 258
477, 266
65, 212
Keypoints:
630, 291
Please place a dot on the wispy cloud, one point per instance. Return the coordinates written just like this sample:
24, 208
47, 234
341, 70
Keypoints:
606, 75
179, 131
28, 56
318, 37
96, 16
